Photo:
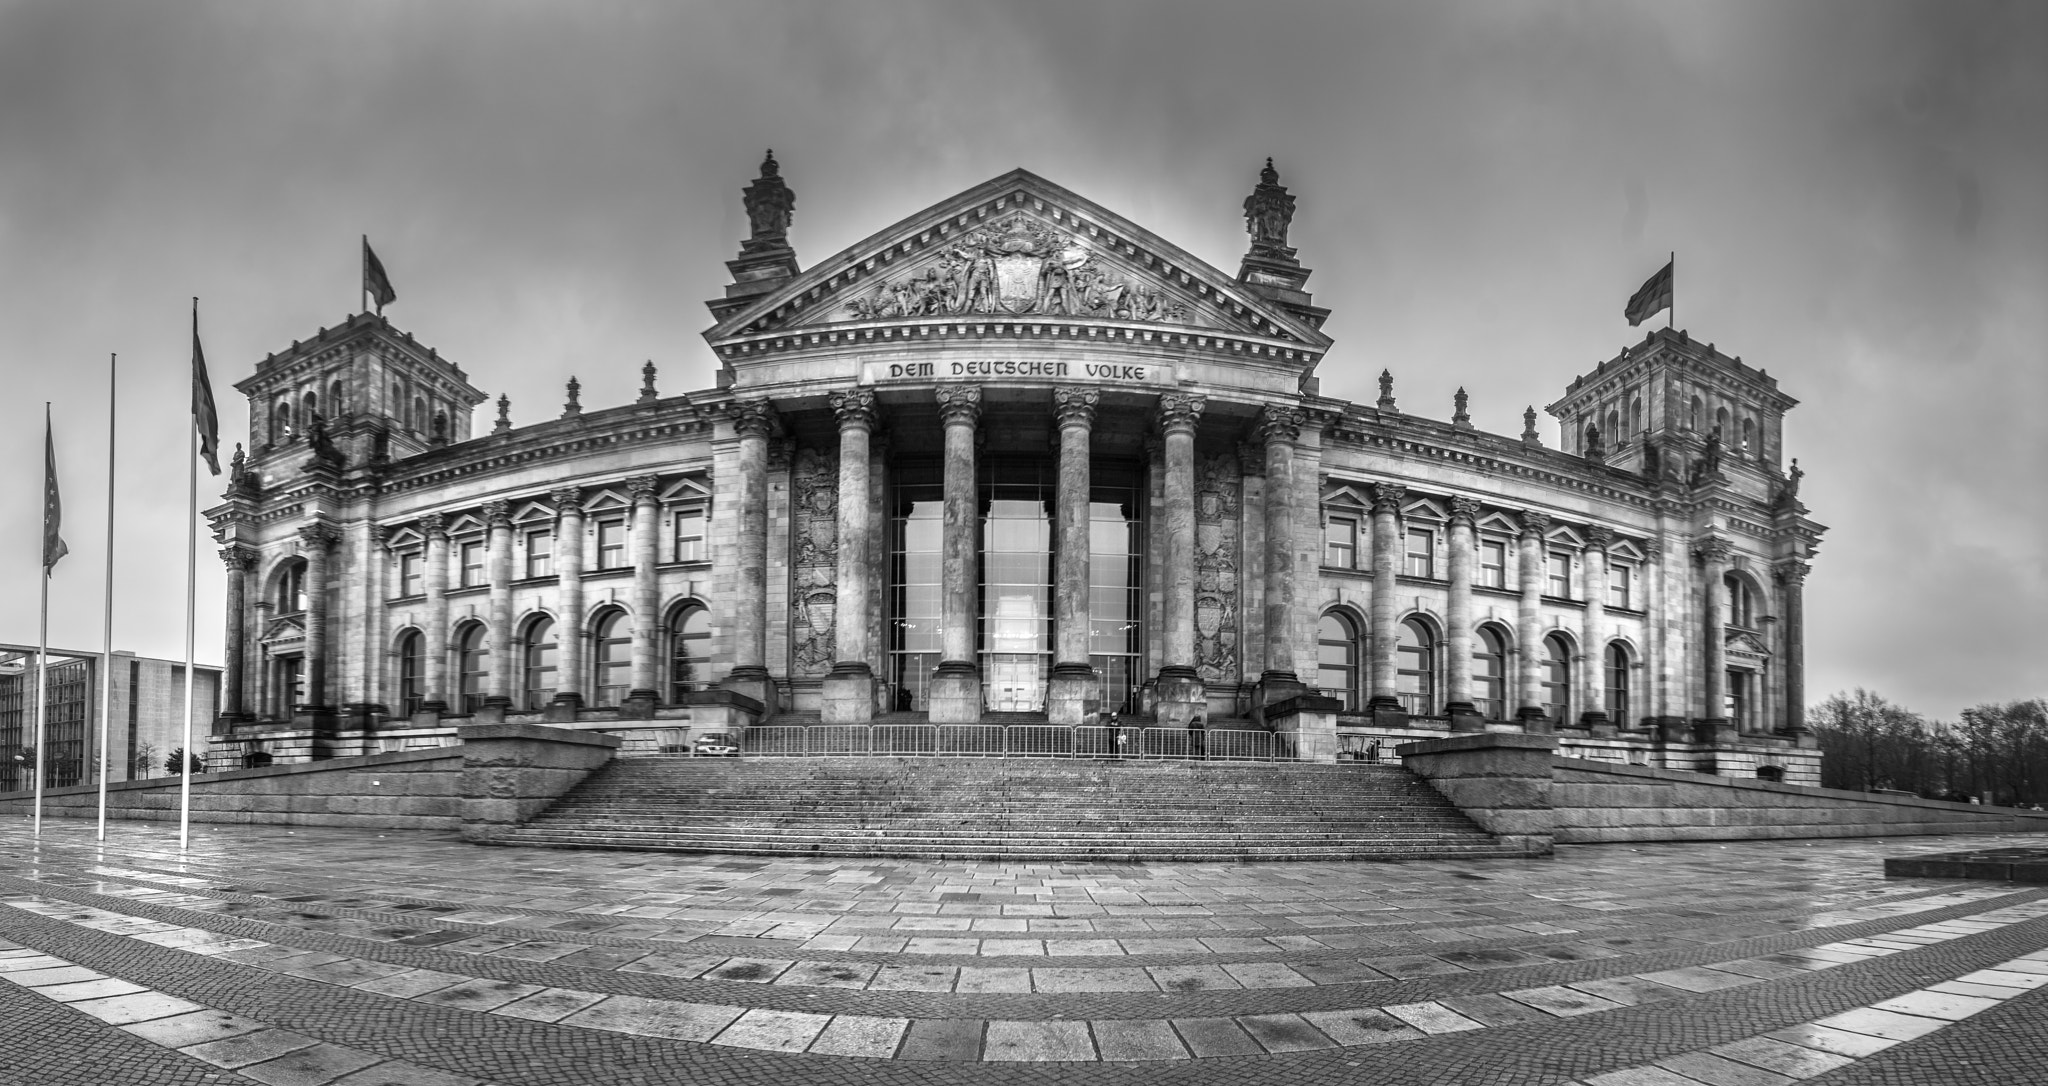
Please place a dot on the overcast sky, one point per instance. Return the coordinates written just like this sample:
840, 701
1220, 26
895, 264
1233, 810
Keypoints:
1856, 191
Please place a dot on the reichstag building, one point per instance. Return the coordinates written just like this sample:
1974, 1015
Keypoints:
1014, 460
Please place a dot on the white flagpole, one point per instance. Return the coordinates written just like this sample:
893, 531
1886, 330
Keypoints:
43, 637
107, 645
191, 604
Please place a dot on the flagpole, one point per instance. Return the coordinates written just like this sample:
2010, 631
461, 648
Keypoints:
191, 603
107, 645
43, 643
365, 277
1671, 311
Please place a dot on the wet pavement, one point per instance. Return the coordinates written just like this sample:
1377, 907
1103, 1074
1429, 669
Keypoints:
356, 957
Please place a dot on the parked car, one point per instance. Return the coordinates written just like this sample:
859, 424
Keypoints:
716, 745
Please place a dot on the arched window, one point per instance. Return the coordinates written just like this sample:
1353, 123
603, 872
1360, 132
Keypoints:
1490, 674
440, 426
334, 398
689, 652
418, 420
1557, 679
311, 405
412, 671
1617, 684
1721, 423
1635, 416
1748, 437
1612, 431
1741, 602
539, 670
1586, 438
281, 422
1692, 416
291, 588
613, 673
1337, 658
472, 664
1415, 677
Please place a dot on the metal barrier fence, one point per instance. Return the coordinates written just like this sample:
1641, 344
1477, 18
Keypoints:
1014, 741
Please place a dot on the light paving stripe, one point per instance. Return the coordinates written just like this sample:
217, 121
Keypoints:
1814, 1048
763, 1029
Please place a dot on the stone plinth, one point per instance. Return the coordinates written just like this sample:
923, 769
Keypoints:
1179, 698
1310, 721
848, 696
1500, 780
511, 772
1070, 696
955, 695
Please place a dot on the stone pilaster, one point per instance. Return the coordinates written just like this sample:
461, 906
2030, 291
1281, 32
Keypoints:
955, 694
1528, 625
504, 661
1071, 695
644, 693
1791, 576
1279, 429
1714, 726
376, 562
1593, 642
754, 420
1385, 637
570, 645
1465, 717
435, 527
316, 540
849, 689
239, 560
1181, 695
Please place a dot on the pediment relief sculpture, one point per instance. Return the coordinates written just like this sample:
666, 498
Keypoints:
1746, 643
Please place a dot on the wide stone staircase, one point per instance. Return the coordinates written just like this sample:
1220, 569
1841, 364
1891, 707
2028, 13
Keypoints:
1011, 809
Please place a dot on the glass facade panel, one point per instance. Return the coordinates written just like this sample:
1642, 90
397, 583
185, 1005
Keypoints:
1557, 679
1016, 597
611, 544
1340, 543
1490, 674
540, 663
473, 564
1617, 685
1421, 558
470, 666
1116, 548
916, 523
613, 668
1337, 659
1620, 589
1557, 568
690, 536
1493, 563
690, 664
540, 554
412, 572
1415, 681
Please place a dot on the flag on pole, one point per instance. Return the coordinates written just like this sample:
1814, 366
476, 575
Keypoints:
53, 509
1654, 297
375, 283
205, 417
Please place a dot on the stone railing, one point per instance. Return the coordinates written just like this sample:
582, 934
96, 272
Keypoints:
1016, 741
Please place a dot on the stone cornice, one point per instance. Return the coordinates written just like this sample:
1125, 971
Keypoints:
1183, 341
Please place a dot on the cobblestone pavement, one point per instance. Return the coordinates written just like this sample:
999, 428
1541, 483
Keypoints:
265, 955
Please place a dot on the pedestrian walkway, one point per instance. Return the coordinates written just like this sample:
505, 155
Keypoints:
353, 957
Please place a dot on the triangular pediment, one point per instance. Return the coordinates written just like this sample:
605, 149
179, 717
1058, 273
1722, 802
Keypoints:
1017, 247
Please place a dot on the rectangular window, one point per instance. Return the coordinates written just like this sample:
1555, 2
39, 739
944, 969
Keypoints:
611, 544
412, 574
1558, 575
1340, 543
1620, 590
473, 564
540, 553
1493, 563
690, 536
1421, 553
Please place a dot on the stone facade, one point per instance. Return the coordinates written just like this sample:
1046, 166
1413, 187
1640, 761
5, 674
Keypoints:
1016, 459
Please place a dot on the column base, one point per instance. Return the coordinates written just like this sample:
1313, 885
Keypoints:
1534, 721
1671, 729
1272, 688
848, 696
1597, 724
1180, 697
1465, 717
434, 705
639, 705
1072, 697
1801, 738
562, 709
1715, 731
955, 693
753, 681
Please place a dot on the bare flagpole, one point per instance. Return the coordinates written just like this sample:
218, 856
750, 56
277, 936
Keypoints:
191, 603
107, 645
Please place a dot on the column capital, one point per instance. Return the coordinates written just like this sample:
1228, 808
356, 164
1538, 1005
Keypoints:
643, 488
566, 499
959, 403
434, 526
855, 408
1534, 522
1279, 424
1180, 411
380, 535
752, 418
1464, 511
1075, 406
1599, 538
498, 513
1712, 549
1386, 497
238, 559
1790, 572
318, 535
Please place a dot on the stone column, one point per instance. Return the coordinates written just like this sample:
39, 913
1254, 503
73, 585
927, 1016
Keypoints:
1071, 696
644, 694
435, 527
375, 646
504, 662
569, 641
239, 560
1791, 574
1714, 726
755, 421
1528, 628
1180, 694
315, 540
1593, 642
1385, 637
1465, 717
849, 689
955, 694
1278, 430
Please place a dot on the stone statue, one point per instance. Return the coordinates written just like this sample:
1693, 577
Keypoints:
770, 205
1268, 211
1595, 447
238, 467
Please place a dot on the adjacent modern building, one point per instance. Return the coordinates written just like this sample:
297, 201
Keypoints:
1016, 460
147, 724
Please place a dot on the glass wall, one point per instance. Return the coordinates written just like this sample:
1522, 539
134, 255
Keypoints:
1116, 548
916, 520
1016, 585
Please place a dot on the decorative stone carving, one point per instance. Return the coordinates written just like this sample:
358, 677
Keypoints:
1599, 538
504, 423
1459, 416
1790, 572
1218, 530
1596, 449
1529, 434
1075, 405
752, 417
1279, 424
1386, 400
771, 205
238, 559
565, 499
1251, 457
855, 408
1534, 522
1712, 549
1268, 212
1180, 410
318, 535
1386, 497
1465, 511
1019, 266
498, 513
434, 526
814, 561
573, 407
647, 393
643, 488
